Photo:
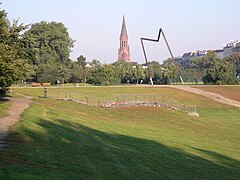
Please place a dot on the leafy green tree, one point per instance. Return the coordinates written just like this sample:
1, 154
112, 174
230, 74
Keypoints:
190, 74
48, 45
218, 71
109, 74
77, 73
49, 38
13, 59
170, 72
234, 59
120, 68
81, 60
64, 71
140, 73
96, 73
47, 72
199, 64
156, 72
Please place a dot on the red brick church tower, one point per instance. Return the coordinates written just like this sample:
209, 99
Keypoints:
123, 51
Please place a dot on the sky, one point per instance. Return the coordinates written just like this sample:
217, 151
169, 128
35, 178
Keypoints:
96, 24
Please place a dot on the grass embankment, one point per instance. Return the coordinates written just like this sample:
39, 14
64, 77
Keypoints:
232, 92
3, 107
181, 96
66, 140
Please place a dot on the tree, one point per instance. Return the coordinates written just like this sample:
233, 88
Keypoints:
47, 73
120, 68
234, 59
109, 74
81, 60
48, 45
156, 72
96, 73
64, 71
13, 62
218, 71
48, 39
139, 73
77, 73
171, 71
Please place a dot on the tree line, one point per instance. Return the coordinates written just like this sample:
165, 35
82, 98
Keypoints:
40, 53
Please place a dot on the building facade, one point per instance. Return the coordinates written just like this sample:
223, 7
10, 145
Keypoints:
124, 51
231, 48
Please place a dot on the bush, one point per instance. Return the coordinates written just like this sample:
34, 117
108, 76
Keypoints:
3, 91
106, 83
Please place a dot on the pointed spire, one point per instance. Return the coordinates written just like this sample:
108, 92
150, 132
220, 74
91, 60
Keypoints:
124, 29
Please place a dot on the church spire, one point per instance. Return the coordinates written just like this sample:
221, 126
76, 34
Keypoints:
123, 51
124, 29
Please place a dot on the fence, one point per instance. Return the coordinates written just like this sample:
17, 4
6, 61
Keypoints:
122, 100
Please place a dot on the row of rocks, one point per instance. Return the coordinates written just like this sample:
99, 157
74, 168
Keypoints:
135, 103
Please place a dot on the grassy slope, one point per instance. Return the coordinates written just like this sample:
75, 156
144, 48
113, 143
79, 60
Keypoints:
181, 96
69, 140
232, 92
3, 108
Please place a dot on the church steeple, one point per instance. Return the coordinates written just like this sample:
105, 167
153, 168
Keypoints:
123, 51
124, 29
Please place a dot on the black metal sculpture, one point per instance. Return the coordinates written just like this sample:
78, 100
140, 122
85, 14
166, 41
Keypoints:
154, 40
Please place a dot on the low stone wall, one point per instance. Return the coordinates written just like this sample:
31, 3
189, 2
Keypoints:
136, 103
142, 103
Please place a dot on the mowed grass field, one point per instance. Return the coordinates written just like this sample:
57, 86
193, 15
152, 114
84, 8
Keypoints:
232, 92
58, 139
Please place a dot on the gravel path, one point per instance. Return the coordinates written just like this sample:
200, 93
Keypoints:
210, 95
17, 106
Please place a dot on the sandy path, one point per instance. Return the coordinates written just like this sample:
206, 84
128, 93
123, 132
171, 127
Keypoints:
210, 95
17, 106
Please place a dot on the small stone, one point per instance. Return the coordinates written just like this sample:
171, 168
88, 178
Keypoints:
193, 114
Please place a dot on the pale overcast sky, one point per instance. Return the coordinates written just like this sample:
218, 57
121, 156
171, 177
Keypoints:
96, 24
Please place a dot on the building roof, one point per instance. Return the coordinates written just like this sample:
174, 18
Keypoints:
186, 54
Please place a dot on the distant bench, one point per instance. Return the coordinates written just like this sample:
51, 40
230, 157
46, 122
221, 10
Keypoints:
40, 84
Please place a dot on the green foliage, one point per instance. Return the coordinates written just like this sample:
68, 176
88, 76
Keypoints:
47, 72
109, 74
234, 60
81, 60
96, 73
116, 73
77, 73
49, 46
198, 64
156, 71
13, 58
218, 71
49, 39
171, 72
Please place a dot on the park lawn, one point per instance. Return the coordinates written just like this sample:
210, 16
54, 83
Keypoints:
232, 92
58, 139
102, 91
3, 107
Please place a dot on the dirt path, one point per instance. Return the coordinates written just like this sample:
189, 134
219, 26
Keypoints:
17, 106
210, 95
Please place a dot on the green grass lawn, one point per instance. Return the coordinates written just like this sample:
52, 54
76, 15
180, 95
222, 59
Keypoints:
101, 91
3, 108
64, 140
232, 92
